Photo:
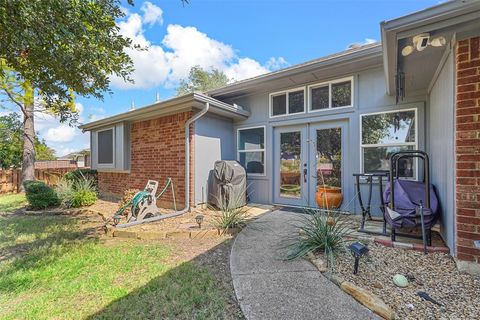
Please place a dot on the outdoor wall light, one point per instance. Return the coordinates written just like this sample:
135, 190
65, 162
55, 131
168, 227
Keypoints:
421, 41
199, 220
358, 250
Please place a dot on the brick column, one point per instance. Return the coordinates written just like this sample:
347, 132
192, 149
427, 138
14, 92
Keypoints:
467, 141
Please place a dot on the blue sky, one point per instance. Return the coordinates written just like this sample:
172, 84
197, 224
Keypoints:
243, 38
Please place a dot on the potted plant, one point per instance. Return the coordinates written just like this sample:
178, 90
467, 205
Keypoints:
329, 197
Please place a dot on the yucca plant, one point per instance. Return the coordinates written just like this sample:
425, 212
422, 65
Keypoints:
233, 213
320, 231
76, 193
65, 192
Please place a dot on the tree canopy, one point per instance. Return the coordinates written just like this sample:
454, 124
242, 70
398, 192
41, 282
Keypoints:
11, 143
54, 50
202, 80
61, 48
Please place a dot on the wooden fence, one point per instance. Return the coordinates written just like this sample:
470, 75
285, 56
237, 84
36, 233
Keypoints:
10, 180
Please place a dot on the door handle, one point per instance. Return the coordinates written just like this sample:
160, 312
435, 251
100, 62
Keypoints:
305, 175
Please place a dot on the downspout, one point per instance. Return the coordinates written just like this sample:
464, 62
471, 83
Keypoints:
187, 174
187, 153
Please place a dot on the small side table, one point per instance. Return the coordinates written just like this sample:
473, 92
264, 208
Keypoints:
366, 210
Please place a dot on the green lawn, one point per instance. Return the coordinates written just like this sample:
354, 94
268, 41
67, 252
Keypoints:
58, 267
9, 202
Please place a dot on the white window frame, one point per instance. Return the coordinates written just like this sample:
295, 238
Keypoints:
107, 165
394, 144
287, 92
254, 150
329, 84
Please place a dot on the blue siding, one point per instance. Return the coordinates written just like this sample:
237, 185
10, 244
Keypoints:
370, 96
441, 137
213, 141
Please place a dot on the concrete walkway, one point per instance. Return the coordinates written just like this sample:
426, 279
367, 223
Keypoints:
269, 288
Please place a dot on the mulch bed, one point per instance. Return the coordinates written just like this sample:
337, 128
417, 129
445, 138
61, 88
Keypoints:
434, 273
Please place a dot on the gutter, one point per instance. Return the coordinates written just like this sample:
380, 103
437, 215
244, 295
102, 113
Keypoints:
187, 174
174, 105
349, 55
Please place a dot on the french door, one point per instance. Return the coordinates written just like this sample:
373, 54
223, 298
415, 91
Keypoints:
305, 157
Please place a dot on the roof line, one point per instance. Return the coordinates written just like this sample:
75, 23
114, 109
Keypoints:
287, 71
166, 106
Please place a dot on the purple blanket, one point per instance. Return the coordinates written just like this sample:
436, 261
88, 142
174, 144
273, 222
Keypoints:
408, 195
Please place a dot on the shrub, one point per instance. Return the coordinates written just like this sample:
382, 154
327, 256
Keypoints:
81, 174
39, 195
82, 198
77, 193
234, 215
320, 231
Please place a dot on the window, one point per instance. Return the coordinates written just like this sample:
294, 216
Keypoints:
287, 102
334, 94
105, 147
251, 150
385, 133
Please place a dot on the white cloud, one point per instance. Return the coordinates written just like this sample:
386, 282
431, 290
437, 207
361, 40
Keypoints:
245, 68
276, 63
181, 49
151, 13
61, 137
62, 133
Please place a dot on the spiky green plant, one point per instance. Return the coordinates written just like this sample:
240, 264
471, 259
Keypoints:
65, 192
77, 193
233, 213
320, 231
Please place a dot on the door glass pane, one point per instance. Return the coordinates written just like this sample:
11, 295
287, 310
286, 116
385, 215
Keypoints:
296, 102
279, 104
329, 157
341, 94
290, 164
377, 158
319, 98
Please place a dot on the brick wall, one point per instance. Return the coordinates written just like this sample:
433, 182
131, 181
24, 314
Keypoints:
468, 149
157, 152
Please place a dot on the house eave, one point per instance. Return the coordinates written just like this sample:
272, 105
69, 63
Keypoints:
183, 103
337, 59
440, 16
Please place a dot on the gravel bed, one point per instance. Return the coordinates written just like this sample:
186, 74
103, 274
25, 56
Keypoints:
434, 273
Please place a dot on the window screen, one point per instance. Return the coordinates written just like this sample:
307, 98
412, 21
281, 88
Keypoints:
105, 147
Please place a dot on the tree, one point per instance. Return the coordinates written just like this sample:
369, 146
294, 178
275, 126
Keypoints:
43, 152
202, 80
53, 50
11, 143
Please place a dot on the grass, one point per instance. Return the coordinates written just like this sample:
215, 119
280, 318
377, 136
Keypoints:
57, 267
10, 202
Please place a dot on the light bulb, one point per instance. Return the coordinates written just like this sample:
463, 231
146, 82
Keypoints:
438, 41
407, 50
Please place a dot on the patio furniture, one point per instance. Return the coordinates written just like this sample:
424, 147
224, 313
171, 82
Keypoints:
366, 209
411, 203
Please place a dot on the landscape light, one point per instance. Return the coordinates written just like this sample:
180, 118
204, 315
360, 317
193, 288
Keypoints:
358, 250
